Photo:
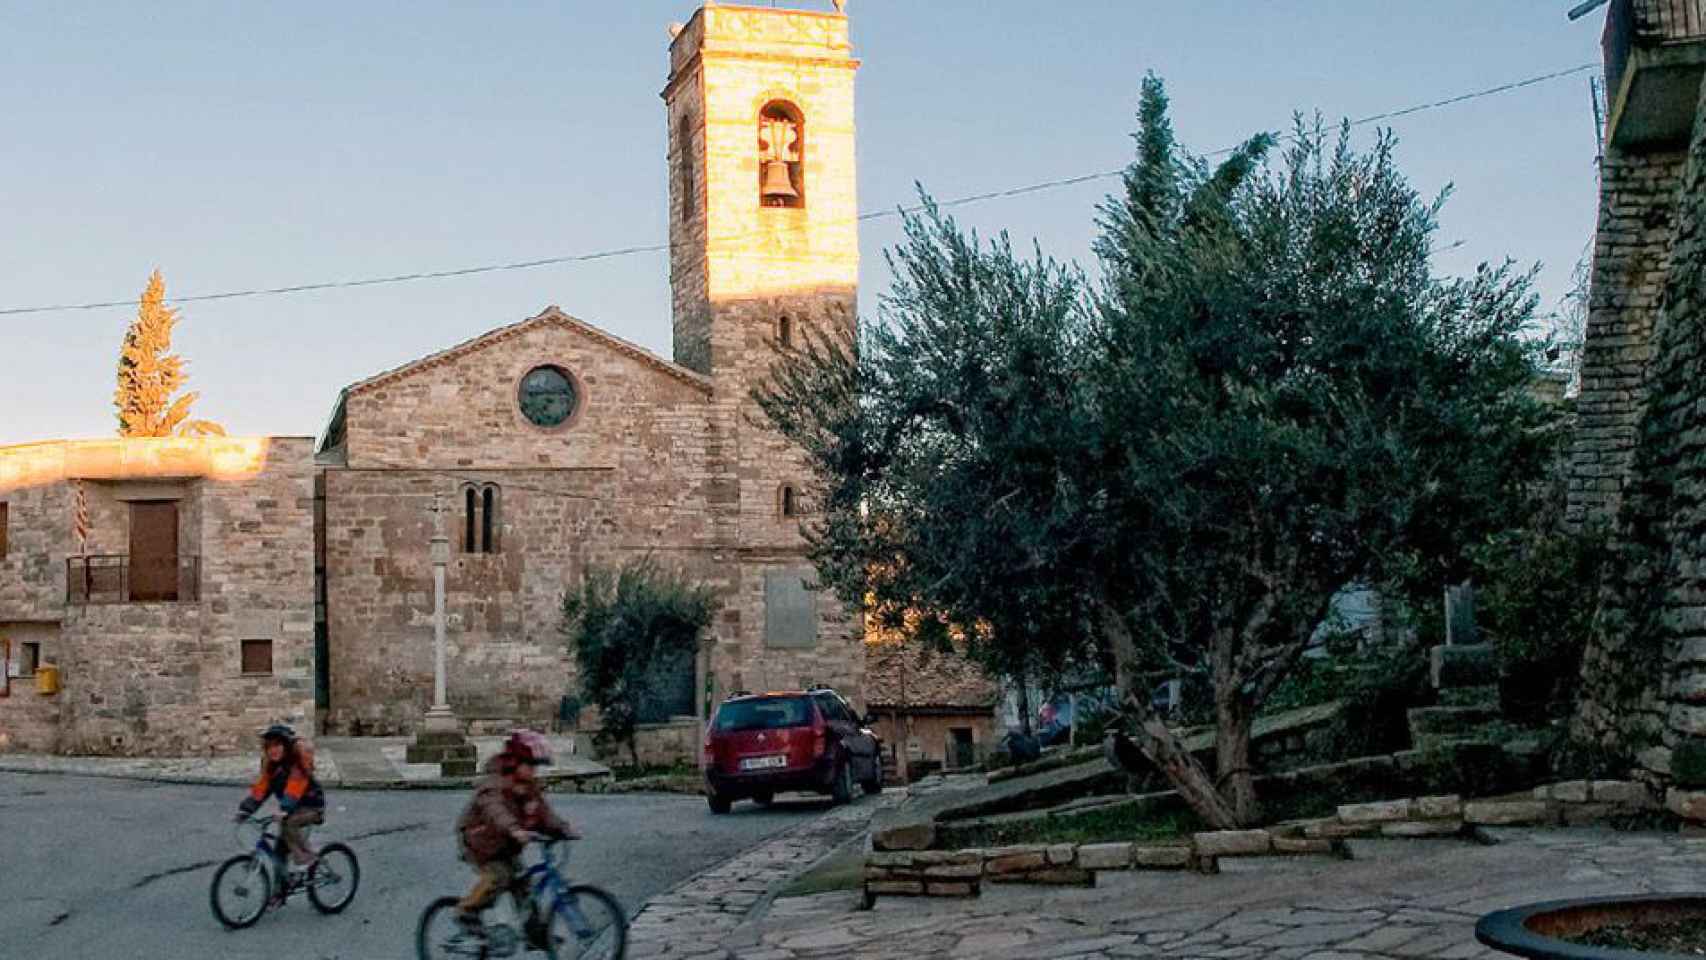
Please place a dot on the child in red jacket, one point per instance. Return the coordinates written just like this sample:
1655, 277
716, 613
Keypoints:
507, 809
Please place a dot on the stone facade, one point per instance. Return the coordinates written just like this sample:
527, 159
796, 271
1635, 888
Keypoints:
160, 677
1645, 668
659, 458
926, 701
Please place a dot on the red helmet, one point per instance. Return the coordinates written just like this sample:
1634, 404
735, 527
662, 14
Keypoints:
527, 746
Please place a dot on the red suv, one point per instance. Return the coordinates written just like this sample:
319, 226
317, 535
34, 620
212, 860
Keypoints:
759, 745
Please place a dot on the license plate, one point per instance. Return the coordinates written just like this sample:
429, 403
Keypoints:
763, 763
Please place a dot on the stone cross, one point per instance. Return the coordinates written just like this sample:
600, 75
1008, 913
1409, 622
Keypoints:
440, 717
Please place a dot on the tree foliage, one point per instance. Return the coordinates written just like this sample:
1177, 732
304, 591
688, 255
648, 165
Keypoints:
625, 625
149, 374
1268, 395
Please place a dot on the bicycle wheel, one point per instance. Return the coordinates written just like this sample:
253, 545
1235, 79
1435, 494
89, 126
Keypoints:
588, 922
439, 934
241, 887
333, 878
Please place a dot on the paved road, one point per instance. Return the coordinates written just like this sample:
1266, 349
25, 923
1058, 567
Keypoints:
112, 868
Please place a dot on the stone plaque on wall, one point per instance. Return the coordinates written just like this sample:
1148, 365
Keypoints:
790, 610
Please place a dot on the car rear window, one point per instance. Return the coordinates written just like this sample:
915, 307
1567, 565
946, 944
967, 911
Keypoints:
769, 714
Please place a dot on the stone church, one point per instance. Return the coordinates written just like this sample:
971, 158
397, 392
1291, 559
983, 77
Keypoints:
555, 446
543, 447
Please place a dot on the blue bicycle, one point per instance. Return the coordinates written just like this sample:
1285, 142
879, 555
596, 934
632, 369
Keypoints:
580, 920
247, 884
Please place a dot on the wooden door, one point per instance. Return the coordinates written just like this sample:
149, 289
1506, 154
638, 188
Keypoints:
153, 551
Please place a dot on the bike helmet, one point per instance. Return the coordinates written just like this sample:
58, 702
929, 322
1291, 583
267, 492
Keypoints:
527, 746
280, 732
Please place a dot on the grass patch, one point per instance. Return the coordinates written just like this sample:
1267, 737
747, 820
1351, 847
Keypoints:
842, 870
1095, 826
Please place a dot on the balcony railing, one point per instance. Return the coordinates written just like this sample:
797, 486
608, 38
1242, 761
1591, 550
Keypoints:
1633, 23
122, 579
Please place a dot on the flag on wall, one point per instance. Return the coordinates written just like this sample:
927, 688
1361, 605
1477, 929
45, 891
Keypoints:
80, 516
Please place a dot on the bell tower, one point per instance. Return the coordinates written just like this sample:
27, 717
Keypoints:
764, 249
763, 193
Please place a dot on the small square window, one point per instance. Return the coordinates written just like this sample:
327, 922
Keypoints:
257, 658
29, 657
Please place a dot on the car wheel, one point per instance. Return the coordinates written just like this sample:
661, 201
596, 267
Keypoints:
719, 804
875, 784
764, 799
842, 788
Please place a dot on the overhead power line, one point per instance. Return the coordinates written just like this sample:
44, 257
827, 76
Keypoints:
616, 252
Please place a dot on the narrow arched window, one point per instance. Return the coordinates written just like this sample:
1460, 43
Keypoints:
785, 332
489, 519
684, 157
470, 520
781, 155
790, 502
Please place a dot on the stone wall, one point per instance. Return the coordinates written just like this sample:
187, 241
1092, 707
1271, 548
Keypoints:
934, 733
740, 267
29, 721
1645, 669
1638, 198
165, 678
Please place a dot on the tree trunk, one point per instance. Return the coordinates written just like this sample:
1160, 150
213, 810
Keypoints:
1158, 741
1024, 703
1164, 749
1232, 719
1236, 781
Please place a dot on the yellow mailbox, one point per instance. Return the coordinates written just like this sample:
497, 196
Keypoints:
47, 679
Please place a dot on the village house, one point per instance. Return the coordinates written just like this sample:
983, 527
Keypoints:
168, 581
543, 447
933, 708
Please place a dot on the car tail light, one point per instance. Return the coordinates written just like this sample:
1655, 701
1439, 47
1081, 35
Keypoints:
820, 735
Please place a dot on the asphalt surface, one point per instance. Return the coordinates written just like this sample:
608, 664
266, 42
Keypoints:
95, 868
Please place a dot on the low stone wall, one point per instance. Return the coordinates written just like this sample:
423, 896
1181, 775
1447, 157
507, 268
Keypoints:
659, 744
901, 867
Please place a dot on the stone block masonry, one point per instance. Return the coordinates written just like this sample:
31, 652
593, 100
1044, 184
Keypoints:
167, 677
1642, 452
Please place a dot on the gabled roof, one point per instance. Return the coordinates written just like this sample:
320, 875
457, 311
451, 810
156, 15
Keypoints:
550, 316
905, 674
331, 438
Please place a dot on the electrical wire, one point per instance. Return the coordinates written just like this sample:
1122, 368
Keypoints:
613, 253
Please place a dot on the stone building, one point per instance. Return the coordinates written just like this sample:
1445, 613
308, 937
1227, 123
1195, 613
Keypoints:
301, 585
554, 446
1636, 461
171, 583
933, 707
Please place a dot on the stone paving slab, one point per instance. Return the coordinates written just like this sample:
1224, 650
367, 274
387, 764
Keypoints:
351, 763
693, 919
1403, 899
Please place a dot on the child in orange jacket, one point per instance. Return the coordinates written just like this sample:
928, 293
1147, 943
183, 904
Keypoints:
287, 772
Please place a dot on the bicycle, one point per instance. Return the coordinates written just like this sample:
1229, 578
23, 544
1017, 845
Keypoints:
243, 886
583, 920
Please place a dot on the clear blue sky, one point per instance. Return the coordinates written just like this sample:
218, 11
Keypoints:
243, 145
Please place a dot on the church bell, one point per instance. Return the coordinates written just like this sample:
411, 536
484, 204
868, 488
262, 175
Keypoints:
777, 187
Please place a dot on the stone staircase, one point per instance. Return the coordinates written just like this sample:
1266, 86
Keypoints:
455, 756
1466, 679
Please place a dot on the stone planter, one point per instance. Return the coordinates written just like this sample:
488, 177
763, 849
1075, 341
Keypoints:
1536, 930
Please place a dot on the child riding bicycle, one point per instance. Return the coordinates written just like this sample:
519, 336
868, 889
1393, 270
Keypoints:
287, 772
507, 809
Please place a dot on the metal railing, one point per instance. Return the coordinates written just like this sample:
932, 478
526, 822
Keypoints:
118, 578
1632, 23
